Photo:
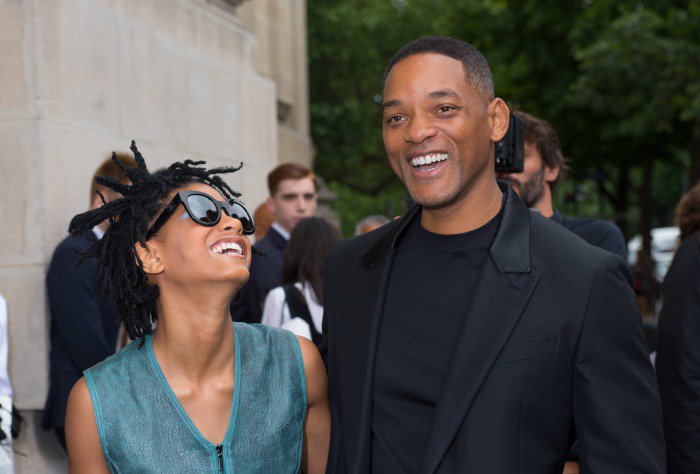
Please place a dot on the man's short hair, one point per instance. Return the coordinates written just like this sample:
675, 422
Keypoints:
110, 168
373, 220
476, 69
289, 171
688, 212
541, 134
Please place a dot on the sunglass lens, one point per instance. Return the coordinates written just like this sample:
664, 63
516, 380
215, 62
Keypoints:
239, 212
203, 209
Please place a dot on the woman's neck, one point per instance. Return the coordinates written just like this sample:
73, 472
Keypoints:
194, 337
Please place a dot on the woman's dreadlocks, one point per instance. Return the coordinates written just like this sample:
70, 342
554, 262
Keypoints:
120, 272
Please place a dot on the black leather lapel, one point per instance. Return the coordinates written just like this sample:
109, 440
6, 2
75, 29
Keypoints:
361, 345
496, 309
505, 285
388, 241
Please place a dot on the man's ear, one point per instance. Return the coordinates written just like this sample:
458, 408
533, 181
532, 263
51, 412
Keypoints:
551, 173
499, 119
96, 202
152, 264
270, 203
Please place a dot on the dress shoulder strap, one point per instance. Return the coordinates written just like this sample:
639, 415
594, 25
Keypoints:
298, 308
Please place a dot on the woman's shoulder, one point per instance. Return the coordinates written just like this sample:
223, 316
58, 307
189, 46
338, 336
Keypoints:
264, 349
122, 363
262, 335
267, 342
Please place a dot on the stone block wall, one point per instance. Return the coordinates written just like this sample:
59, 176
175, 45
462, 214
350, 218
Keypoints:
80, 78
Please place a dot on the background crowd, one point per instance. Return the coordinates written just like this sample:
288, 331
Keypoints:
286, 284
608, 92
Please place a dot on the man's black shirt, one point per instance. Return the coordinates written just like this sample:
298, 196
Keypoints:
430, 290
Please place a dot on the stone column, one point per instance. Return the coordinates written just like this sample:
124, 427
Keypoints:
79, 78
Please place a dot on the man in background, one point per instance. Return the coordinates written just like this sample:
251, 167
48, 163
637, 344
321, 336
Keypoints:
293, 197
678, 352
543, 168
83, 332
370, 223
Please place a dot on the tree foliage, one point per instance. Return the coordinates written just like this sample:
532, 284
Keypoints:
617, 79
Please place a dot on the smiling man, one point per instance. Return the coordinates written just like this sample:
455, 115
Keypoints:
459, 339
293, 197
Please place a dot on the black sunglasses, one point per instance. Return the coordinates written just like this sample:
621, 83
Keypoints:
204, 210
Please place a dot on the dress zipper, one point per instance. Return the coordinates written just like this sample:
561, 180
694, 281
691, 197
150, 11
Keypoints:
220, 454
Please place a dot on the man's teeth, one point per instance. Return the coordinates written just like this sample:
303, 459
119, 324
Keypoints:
429, 159
223, 246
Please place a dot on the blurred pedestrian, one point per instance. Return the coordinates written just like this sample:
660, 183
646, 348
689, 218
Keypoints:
544, 168
83, 332
370, 223
297, 305
263, 218
642, 270
7, 410
678, 350
472, 334
194, 392
293, 197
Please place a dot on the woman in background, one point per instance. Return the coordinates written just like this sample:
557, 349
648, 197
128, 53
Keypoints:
297, 304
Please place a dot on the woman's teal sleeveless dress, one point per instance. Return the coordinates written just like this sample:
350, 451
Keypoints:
143, 428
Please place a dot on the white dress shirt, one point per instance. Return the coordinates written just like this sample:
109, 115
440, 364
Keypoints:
6, 453
276, 312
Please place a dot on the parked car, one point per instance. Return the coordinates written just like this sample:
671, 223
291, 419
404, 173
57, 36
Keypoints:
664, 241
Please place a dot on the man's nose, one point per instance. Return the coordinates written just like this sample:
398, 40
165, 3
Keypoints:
419, 129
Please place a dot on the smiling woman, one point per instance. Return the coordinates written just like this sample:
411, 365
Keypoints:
192, 381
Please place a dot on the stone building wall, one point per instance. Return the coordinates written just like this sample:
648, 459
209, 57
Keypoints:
209, 79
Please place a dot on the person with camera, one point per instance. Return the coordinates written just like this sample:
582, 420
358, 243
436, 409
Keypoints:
471, 334
543, 167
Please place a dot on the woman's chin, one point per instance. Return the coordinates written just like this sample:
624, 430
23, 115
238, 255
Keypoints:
238, 277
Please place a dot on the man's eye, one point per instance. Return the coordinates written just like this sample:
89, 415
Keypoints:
395, 119
289, 197
446, 108
309, 197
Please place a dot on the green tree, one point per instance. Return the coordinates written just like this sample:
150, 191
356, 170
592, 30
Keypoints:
617, 80
636, 76
350, 44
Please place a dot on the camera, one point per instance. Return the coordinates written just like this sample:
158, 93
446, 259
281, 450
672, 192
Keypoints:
509, 152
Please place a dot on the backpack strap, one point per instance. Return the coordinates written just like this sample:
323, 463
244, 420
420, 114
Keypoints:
299, 309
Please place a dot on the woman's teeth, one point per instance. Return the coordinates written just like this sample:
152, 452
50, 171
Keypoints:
227, 247
428, 159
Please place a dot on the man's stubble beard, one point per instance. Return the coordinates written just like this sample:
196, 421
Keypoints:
533, 190
447, 198
530, 191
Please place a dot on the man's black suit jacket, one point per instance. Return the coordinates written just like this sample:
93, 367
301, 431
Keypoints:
599, 233
678, 358
552, 347
265, 274
82, 331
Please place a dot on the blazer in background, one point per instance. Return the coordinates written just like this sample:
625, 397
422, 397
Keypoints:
551, 348
82, 331
678, 358
265, 274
